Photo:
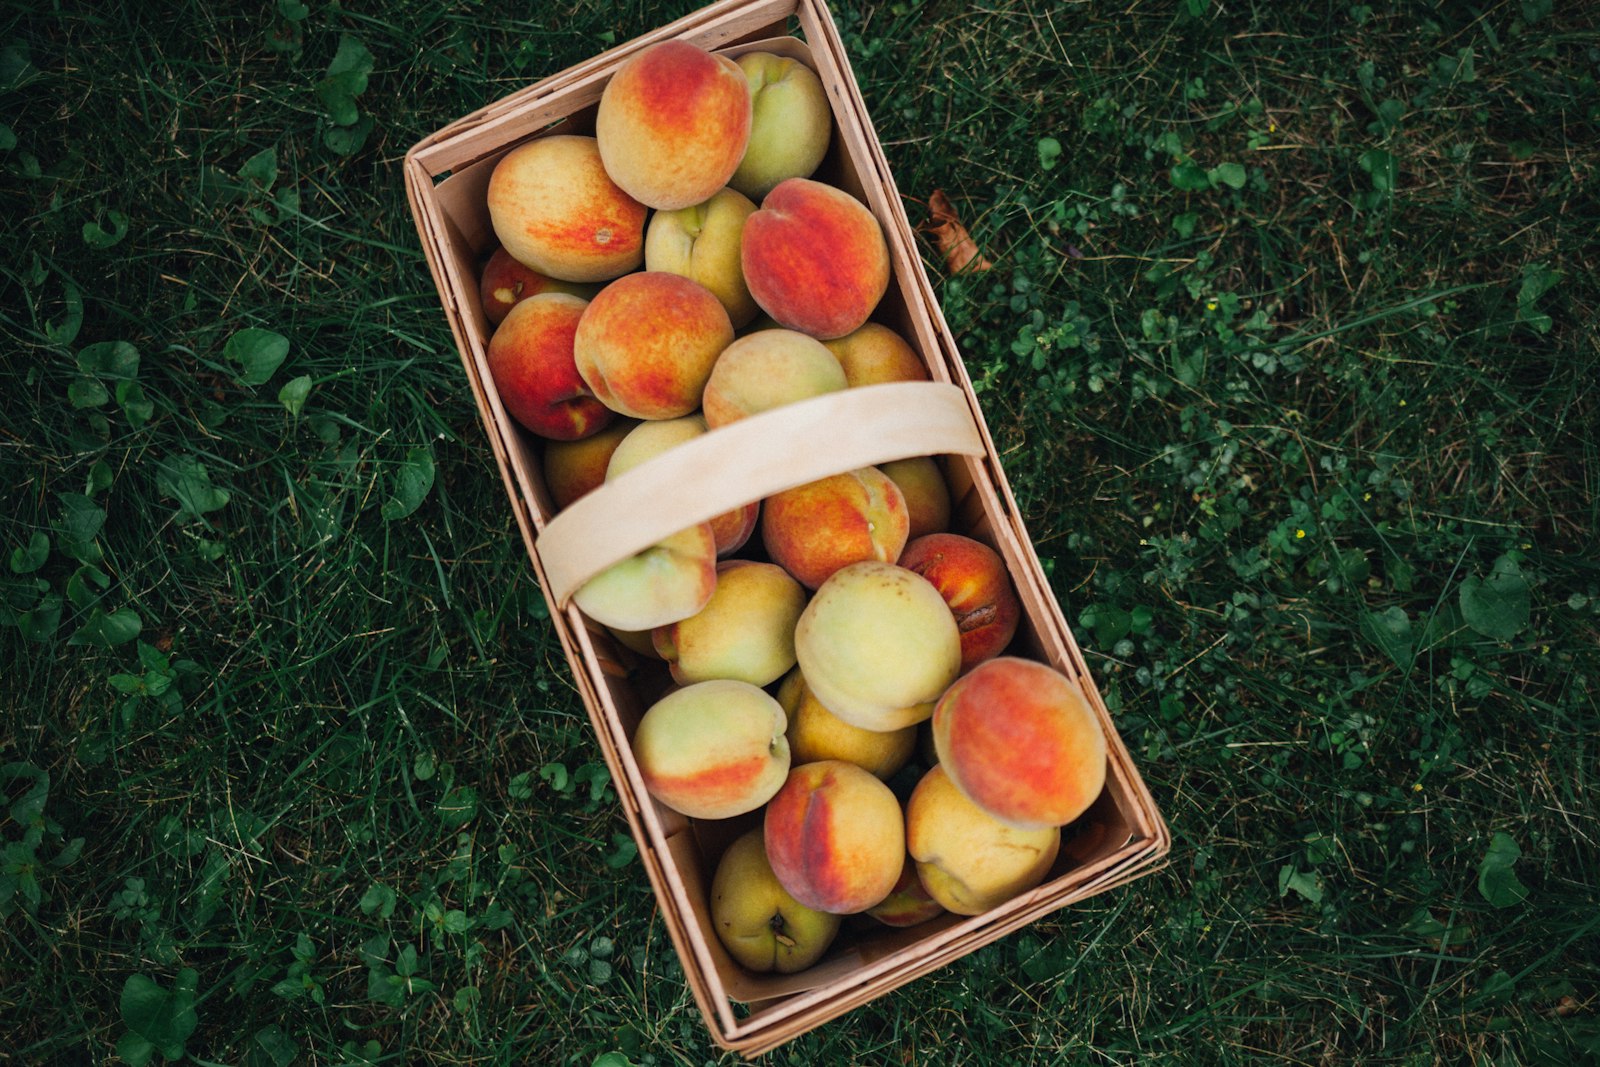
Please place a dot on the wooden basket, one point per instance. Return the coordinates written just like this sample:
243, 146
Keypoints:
1121, 837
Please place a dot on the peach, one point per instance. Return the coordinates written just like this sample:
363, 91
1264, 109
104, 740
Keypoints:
972, 578
909, 902
790, 123
746, 630
713, 750
505, 282
927, 495
969, 861
814, 529
815, 733
670, 580
878, 645
701, 242
815, 258
575, 468
647, 342
673, 124
760, 924
762, 371
1018, 739
638, 641
556, 210
732, 528
835, 837
530, 359
875, 354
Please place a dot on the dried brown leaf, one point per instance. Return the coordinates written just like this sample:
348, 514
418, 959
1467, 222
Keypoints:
960, 251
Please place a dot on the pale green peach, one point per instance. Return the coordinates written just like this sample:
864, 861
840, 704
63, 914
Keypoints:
757, 921
877, 644
668, 581
746, 631
790, 127
713, 750
702, 243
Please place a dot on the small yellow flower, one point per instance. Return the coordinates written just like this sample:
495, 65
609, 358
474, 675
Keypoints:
1298, 534
1272, 127
1544, 650
1402, 403
1416, 787
1366, 496
1211, 305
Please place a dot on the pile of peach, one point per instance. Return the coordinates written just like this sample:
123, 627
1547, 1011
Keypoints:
857, 608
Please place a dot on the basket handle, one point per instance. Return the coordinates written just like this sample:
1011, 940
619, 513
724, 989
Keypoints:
749, 460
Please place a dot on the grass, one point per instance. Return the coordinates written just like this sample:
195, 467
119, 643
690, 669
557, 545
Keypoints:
1288, 345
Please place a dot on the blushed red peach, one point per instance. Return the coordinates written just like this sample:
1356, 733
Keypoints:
673, 124
835, 837
875, 354
555, 209
909, 902
647, 342
713, 750
575, 468
531, 361
815, 258
505, 282
766, 370
972, 578
817, 528
1018, 739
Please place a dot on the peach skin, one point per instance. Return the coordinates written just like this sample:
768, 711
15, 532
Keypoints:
814, 529
673, 124
505, 282
927, 495
574, 468
647, 342
815, 733
530, 359
713, 750
1019, 741
746, 630
878, 645
766, 370
909, 902
760, 925
968, 860
701, 242
835, 837
555, 209
815, 258
972, 578
875, 354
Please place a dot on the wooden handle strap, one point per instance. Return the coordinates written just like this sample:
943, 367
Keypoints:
749, 460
